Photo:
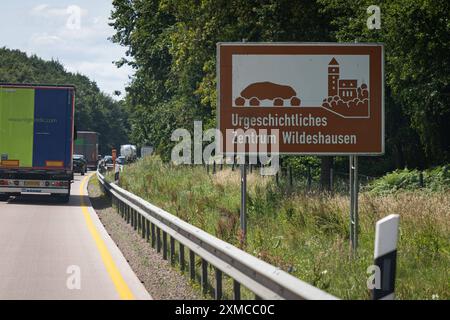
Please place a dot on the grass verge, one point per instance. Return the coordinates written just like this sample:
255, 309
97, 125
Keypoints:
307, 234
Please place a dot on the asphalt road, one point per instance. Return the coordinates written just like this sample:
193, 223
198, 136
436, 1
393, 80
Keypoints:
50, 250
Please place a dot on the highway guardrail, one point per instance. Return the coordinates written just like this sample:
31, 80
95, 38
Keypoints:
169, 235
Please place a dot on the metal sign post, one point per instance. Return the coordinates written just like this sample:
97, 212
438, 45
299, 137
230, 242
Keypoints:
244, 200
354, 190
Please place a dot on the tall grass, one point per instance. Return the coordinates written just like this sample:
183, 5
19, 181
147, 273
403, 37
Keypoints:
307, 234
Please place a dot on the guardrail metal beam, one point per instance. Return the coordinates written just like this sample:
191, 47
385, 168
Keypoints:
264, 280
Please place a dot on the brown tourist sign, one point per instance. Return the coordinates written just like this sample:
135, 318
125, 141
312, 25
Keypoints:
304, 98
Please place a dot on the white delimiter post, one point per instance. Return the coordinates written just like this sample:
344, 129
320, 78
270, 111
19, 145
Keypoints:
386, 237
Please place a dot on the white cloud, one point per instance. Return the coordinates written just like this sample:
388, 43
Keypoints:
45, 39
105, 73
44, 31
38, 10
46, 11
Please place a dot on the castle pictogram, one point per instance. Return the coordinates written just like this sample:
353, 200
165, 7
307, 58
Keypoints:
344, 95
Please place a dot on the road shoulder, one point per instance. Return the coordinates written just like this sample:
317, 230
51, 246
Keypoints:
156, 274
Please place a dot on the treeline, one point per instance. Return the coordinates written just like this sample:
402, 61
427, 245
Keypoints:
172, 47
94, 111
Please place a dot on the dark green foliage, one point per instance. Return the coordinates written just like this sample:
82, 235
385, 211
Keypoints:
436, 179
172, 45
417, 70
94, 111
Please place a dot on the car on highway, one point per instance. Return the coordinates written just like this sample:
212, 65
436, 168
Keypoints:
105, 164
79, 164
108, 160
121, 160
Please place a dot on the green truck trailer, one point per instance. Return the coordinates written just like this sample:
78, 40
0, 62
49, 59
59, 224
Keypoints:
36, 139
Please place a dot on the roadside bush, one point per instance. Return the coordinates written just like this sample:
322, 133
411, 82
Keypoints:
436, 179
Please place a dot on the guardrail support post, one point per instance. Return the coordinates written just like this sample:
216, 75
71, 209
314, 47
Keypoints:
236, 290
143, 226
135, 219
204, 279
138, 221
192, 264
164, 245
158, 240
130, 214
172, 250
181, 256
147, 229
218, 288
153, 235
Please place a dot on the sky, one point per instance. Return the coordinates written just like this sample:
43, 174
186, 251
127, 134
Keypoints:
73, 32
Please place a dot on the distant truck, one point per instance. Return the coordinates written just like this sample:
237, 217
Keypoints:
36, 140
86, 144
129, 152
146, 151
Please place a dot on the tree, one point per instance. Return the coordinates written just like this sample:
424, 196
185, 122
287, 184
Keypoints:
94, 111
417, 69
172, 46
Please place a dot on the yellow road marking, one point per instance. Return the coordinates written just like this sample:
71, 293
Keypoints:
121, 286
